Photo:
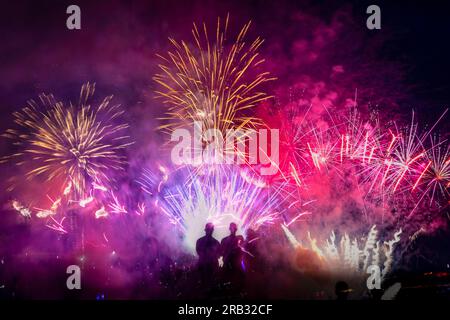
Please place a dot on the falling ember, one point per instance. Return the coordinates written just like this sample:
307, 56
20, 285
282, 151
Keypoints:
67, 189
101, 213
86, 201
96, 186
45, 213
55, 204
24, 211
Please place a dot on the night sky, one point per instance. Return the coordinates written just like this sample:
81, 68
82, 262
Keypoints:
119, 39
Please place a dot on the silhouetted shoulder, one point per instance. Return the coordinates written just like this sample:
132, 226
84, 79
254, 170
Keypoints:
225, 240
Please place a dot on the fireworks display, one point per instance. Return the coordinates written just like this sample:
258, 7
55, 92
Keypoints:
433, 176
386, 161
348, 256
75, 144
225, 196
212, 83
358, 180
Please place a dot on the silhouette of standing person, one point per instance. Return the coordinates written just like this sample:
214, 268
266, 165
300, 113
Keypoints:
252, 256
342, 290
208, 250
232, 258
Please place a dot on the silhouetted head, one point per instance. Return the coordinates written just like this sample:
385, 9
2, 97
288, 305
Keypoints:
251, 234
209, 229
342, 290
233, 228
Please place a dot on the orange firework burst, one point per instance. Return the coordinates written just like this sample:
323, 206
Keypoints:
211, 83
74, 143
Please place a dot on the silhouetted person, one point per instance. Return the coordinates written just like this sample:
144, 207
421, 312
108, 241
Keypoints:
342, 290
208, 250
376, 294
231, 249
255, 279
252, 257
232, 258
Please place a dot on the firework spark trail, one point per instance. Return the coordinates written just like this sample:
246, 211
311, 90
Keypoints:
57, 225
115, 206
438, 177
409, 149
297, 217
354, 140
259, 183
101, 213
211, 83
374, 172
84, 202
295, 175
363, 139
73, 143
292, 239
421, 175
434, 177
322, 148
140, 211
388, 251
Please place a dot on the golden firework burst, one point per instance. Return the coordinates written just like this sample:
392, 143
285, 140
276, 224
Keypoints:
212, 83
76, 144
